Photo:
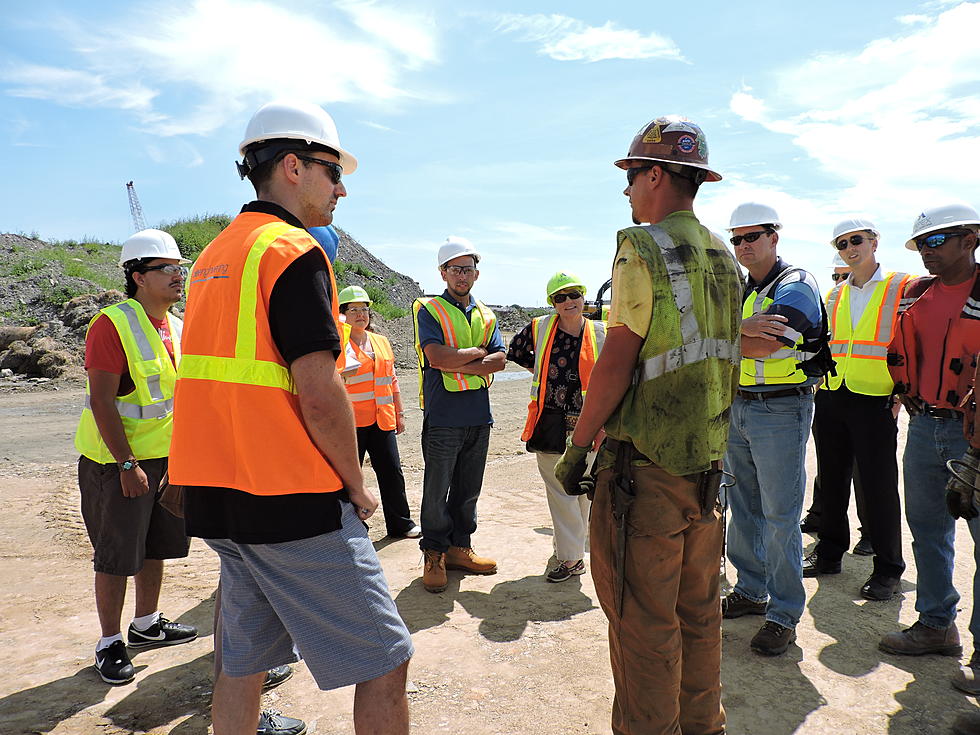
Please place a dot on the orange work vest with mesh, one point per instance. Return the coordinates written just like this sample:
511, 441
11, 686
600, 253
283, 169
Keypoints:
543, 330
861, 352
237, 418
370, 386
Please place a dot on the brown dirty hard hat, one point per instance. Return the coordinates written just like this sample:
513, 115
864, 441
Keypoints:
670, 140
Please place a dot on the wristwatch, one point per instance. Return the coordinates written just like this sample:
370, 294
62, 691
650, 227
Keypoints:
128, 465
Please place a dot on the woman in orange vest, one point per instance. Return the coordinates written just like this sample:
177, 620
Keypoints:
369, 374
560, 350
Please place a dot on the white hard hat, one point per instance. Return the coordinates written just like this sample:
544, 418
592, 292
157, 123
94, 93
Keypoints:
941, 218
455, 247
300, 121
838, 262
753, 213
151, 244
853, 224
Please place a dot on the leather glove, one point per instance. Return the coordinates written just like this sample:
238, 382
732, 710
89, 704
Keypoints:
959, 496
570, 469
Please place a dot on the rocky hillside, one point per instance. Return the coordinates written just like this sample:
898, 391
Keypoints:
50, 291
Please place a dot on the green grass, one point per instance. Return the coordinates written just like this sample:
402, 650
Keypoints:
194, 233
342, 269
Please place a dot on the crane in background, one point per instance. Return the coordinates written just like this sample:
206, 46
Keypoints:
134, 208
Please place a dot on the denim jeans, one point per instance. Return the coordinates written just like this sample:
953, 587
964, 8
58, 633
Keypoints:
767, 454
455, 457
932, 441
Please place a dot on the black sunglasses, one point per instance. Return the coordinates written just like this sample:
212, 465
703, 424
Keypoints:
852, 240
937, 240
632, 173
839, 276
334, 169
559, 298
750, 237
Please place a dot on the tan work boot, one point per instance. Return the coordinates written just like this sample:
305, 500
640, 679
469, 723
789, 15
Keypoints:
466, 559
920, 640
434, 575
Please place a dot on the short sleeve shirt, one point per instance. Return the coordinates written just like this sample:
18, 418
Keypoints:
104, 350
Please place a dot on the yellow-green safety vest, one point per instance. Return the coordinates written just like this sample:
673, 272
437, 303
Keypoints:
147, 411
458, 333
861, 353
779, 368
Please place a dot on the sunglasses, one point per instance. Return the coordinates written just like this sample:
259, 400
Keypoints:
559, 298
852, 240
750, 237
632, 173
334, 170
170, 269
460, 270
839, 276
935, 241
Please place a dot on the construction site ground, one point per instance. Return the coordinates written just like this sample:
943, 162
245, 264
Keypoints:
508, 653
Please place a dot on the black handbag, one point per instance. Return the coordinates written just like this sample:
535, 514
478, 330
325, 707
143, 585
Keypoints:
549, 433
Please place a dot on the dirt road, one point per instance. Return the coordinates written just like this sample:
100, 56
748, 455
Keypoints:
507, 653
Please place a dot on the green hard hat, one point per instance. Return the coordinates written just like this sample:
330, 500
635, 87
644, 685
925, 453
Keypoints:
354, 293
562, 280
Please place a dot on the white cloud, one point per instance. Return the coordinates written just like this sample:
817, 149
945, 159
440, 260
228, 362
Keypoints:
531, 235
225, 56
569, 39
911, 20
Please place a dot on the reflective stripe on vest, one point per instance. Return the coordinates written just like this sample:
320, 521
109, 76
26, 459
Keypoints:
371, 388
695, 347
779, 368
146, 412
458, 333
593, 338
861, 352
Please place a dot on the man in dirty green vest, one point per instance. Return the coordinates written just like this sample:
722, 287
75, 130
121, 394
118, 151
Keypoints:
662, 387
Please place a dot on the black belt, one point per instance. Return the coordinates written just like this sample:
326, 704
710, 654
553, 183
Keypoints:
752, 395
942, 413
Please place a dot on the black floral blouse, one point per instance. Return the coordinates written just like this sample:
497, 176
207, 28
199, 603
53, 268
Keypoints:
563, 391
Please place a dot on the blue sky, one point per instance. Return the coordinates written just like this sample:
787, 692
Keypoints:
498, 121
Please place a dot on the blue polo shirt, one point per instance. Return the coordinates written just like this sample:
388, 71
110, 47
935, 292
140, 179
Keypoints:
443, 407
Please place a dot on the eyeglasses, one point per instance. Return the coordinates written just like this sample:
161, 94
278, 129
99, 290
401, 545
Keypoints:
935, 241
852, 240
750, 237
632, 173
334, 170
839, 276
171, 269
460, 270
559, 298
359, 310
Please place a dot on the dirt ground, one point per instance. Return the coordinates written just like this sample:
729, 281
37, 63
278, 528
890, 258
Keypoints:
507, 653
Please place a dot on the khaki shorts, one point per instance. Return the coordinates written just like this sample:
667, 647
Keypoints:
126, 531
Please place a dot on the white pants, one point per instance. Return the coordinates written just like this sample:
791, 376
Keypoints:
569, 513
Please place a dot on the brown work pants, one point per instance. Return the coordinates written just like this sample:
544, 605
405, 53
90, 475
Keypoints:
666, 647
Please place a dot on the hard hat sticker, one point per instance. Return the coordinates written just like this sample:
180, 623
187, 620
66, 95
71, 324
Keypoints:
923, 221
702, 147
680, 126
652, 135
686, 144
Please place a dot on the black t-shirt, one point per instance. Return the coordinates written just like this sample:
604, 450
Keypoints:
301, 322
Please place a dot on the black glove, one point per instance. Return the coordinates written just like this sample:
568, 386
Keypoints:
959, 494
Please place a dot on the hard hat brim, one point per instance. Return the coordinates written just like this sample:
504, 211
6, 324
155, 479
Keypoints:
347, 160
910, 243
635, 161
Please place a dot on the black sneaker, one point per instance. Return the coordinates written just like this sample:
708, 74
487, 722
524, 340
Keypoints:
162, 633
810, 524
565, 570
863, 547
815, 565
276, 676
736, 605
773, 639
113, 664
274, 722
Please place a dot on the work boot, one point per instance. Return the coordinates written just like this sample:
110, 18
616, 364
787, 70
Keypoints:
967, 679
736, 605
466, 559
920, 640
967, 723
773, 639
434, 575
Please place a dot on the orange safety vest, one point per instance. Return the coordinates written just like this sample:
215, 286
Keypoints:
860, 352
960, 347
593, 337
370, 387
237, 418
